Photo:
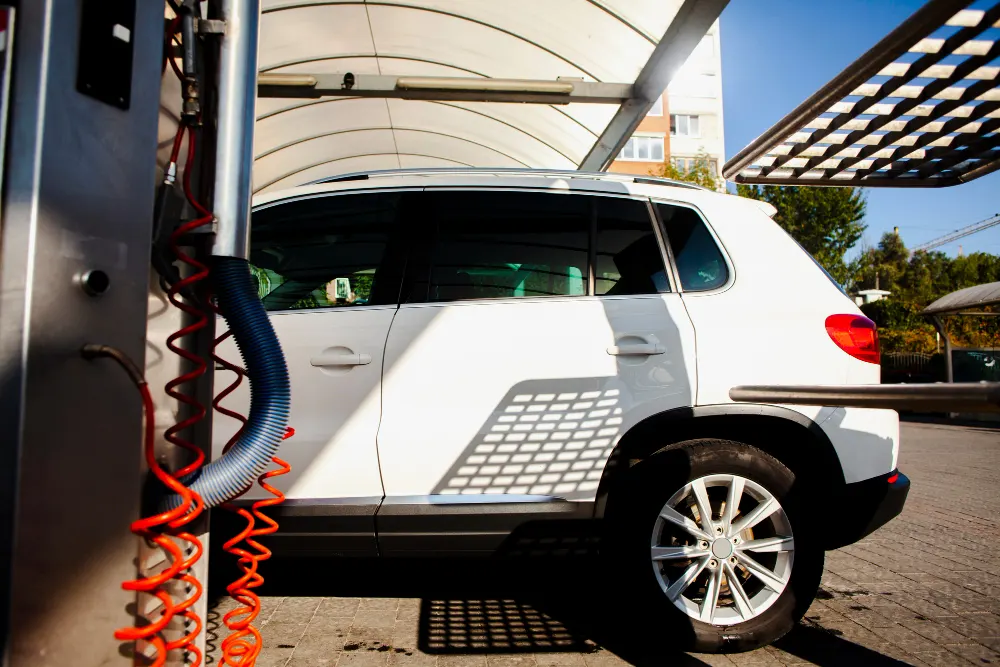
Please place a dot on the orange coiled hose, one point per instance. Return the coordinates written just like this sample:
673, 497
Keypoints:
237, 648
243, 645
146, 528
166, 528
173, 434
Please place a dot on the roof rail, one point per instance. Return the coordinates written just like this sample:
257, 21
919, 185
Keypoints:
507, 171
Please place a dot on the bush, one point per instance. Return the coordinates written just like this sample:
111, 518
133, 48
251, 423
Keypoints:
901, 327
894, 314
908, 340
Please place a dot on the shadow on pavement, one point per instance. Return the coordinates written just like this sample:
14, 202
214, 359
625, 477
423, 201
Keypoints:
489, 605
986, 424
825, 648
495, 606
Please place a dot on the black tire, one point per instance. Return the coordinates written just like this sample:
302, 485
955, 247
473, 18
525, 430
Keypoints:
633, 508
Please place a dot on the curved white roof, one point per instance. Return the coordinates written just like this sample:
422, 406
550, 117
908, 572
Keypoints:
315, 135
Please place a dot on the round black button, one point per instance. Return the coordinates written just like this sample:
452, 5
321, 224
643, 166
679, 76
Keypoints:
95, 283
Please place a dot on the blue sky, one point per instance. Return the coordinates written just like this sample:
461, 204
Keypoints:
775, 53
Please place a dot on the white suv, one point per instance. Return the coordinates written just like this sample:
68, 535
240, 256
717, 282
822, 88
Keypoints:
477, 357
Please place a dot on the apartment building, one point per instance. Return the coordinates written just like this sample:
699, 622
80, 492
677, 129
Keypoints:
686, 120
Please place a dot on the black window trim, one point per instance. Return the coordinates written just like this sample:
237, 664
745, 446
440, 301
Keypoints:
591, 251
665, 251
730, 269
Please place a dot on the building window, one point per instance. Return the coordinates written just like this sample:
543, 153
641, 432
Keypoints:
689, 163
684, 126
705, 49
683, 163
657, 108
649, 149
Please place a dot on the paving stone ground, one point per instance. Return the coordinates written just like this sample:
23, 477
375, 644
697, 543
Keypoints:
921, 591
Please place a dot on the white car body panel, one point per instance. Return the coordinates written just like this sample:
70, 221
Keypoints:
335, 411
451, 370
768, 326
866, 441
749, 334
520, 396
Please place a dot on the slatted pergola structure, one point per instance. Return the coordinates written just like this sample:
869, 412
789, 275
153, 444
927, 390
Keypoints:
920, 109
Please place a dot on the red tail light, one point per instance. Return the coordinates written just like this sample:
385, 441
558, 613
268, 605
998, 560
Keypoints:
855, 335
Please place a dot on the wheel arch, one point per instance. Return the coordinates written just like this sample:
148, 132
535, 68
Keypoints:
789, 436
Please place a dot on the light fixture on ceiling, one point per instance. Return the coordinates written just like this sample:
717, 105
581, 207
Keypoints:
294, 80
484, 85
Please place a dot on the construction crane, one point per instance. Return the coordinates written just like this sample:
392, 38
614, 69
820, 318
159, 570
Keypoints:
959, 233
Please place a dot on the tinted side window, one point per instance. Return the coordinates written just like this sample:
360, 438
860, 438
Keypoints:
700, 264
325, 251
627, 255
489, 245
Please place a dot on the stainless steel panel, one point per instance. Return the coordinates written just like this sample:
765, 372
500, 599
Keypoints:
78, 197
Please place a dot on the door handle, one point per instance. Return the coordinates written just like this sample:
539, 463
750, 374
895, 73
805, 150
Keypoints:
636, 350
340, 359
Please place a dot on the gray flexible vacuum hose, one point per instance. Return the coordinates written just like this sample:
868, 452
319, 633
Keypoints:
270, 392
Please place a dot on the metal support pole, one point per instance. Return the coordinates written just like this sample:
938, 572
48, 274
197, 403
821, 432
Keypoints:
234, 146
949, 373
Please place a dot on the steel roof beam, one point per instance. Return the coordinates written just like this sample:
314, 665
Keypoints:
690, 24
442, 89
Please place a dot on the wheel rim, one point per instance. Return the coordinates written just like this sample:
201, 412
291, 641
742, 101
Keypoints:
722, 549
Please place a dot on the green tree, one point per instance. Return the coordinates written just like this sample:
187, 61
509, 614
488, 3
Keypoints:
826, 221
266, 280
926, 278
914, 282
699, 174
974, 269
883, 267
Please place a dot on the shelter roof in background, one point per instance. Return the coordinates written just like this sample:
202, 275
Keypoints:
979, 296
571, 79
921, 108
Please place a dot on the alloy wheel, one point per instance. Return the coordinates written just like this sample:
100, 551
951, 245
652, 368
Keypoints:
722, 549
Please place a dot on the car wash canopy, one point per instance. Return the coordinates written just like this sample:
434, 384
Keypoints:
350, 86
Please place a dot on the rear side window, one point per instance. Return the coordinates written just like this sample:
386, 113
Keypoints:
628, 259
325, 252
508, 244
700, 264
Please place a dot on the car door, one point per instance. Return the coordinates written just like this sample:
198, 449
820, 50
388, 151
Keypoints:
535, 329
328, 270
